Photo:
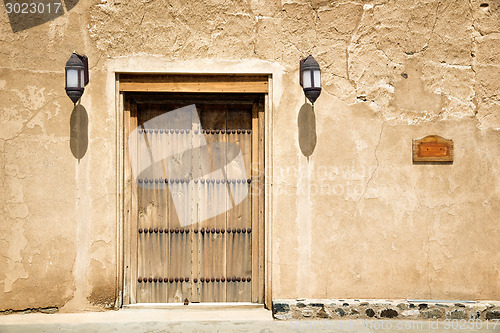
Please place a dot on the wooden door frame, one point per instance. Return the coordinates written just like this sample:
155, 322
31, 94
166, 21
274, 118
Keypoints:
243, 83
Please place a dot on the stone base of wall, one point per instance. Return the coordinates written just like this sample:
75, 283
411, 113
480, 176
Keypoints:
284, 309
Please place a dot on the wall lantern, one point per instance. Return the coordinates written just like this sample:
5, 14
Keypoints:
77, 76
310, 78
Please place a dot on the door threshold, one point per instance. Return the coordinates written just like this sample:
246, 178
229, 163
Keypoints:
197, 306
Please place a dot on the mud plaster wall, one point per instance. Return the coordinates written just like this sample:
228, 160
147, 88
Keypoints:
355, 219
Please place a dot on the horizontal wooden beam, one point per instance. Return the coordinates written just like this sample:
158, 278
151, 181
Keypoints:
194, 83
193, 98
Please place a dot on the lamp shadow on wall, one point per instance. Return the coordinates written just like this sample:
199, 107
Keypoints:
306, 122
79, 129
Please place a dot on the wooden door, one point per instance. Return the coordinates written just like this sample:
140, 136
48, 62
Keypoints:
195, 204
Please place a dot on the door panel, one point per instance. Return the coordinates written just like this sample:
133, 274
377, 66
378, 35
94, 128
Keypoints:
194, 202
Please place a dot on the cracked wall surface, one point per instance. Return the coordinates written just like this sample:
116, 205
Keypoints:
356, 219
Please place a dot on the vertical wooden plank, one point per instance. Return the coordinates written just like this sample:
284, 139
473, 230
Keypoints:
167, 260
163, 210
255, 202
224, 225
202, 211
122, 272
169, 216
179, 246
195, 211
173, 222
213, 120
155, 215
142, 219
151, 212
261, 183
128, 201
231, 253
240, 120
130, 194
159, 207
246, 237
168, 288
186, 138
148, 210
221, 198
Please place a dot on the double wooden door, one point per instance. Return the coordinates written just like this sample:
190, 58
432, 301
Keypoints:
195, 201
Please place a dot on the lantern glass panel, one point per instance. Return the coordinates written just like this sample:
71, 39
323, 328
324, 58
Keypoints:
82, 78
306, 79
317, 79
72, 78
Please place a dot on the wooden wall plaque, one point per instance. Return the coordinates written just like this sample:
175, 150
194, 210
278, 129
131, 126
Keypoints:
432, 148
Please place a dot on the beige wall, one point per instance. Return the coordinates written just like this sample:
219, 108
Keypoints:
354, 220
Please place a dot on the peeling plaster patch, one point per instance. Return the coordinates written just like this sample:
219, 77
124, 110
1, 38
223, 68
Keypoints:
457, 108
18, 211
466, 67
100, 253
15, 189
15, 268
33, 97
387, 87
14, 193
453, 185
31, 102
103, 287
15, 271
488, 114
410, 96
57, 30
103, 296
361, 145
11, 123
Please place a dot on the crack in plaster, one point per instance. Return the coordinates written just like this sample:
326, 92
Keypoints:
97, 62
4, 165
428, 261
15, 267
348, 49
424, 48
474, 50
385, 54
364, 190
376, 168
25, 123
142, 18
19, 207
427, 245
473, 63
